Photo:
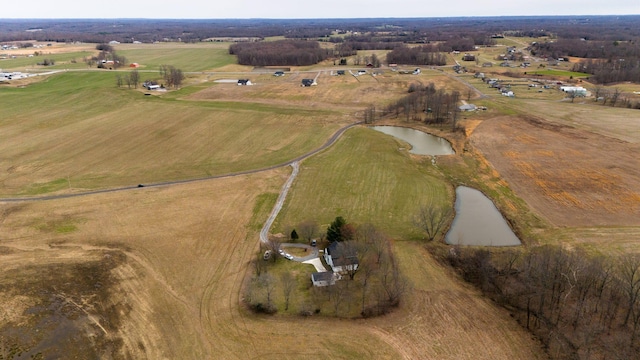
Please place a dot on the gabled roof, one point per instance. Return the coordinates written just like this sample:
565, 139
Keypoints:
341, 255
322, 276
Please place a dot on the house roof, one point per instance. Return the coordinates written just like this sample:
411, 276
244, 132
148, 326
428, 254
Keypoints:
322, 276
468, 107
341, 254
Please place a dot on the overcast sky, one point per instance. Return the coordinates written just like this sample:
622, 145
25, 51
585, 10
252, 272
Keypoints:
283, 9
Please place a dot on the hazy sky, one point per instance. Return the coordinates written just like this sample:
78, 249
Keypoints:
217, 9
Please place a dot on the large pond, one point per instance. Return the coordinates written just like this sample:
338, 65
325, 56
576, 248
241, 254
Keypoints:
478, 222
421, 142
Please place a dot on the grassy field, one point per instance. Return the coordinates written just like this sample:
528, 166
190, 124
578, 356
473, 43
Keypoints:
336, 184
188, 57
76, 133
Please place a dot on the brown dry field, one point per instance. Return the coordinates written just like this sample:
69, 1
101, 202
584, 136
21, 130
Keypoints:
55, 48
346, 92
157, 273
571, 175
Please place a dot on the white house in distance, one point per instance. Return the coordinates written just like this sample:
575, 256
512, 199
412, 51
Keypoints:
340, 257
576, 90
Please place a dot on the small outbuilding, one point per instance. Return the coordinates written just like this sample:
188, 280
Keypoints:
468, 107
324, 278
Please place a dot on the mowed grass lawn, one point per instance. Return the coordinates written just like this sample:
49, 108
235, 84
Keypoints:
187, 57
366, 179
79, 131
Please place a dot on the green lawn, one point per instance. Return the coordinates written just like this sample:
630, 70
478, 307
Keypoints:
186, 58
366, 179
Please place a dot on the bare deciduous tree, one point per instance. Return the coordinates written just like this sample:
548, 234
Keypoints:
432, 218
308, 229
629, 278
288, 283
134, 77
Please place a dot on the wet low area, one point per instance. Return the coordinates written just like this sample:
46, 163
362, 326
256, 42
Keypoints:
61, 310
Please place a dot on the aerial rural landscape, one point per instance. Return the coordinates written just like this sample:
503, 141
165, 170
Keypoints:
379, 188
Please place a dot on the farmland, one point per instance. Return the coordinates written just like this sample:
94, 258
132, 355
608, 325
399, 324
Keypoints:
160, 271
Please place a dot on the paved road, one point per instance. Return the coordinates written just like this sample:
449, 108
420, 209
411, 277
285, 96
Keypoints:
329, 142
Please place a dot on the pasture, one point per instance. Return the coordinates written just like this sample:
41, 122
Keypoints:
76, 133
378, 182
161, 270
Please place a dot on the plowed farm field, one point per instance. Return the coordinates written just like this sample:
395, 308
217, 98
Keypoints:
571, 176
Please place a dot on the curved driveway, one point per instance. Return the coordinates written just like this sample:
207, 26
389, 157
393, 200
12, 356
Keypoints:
329, 142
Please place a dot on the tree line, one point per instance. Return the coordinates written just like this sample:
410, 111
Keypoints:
282, 52
610, 71
416, 30
580, 306
419, 55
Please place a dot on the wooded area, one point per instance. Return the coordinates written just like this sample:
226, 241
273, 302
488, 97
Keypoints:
579, 305
280, 53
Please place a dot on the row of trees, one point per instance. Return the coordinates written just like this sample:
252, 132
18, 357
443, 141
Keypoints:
587, 49
610, 71
408, 30
418, 55
280, 53
131, 79
578, 305
173, 77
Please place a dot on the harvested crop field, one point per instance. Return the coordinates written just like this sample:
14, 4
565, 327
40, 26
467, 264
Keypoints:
345, 91
570, 176
158, 273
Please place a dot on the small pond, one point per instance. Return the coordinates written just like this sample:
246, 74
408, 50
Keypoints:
478, 222
421, 142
